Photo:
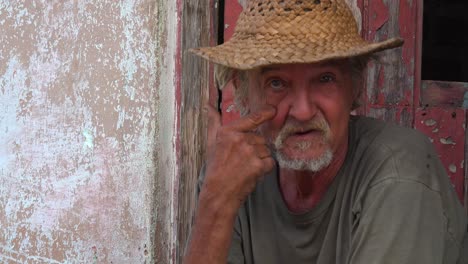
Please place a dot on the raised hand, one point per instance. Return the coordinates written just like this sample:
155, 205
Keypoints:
237, 156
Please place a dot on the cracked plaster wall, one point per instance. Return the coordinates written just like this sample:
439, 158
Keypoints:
86, 130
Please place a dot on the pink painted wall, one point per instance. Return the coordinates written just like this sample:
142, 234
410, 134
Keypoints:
87, 114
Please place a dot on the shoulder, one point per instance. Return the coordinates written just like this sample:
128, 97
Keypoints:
388, 160
379, 133
396, 153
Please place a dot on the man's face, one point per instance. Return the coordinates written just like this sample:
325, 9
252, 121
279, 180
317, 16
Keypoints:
313, 103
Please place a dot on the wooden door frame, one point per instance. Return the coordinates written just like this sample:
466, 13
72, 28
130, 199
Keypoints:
429, 106
199, 27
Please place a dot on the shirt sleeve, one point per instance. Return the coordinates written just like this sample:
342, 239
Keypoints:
402, 221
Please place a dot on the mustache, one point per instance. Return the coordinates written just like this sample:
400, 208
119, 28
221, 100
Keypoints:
293, 127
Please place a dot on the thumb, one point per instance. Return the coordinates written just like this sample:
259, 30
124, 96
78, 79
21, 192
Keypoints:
214, 123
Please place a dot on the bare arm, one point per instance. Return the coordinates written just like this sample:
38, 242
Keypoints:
237, 157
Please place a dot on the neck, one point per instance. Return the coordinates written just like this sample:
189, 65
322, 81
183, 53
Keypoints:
303, 190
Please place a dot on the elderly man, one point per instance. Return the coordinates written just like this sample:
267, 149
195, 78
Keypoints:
297, 179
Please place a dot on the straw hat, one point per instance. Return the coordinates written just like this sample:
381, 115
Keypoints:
292, 31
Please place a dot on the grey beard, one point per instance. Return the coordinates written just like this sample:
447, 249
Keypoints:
313, 165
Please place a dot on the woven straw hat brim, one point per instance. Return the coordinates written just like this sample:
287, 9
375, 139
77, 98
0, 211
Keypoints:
292, 31
248, 53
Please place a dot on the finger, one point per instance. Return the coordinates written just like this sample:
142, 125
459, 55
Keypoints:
262, 151
214, 123
253, 120
269, 164
254, 139
265, 166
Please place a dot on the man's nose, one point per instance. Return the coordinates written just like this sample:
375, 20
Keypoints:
302, 106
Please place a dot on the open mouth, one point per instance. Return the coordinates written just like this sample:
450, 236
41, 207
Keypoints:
307, 132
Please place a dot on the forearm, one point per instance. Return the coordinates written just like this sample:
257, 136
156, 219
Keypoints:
212, 231
236, 158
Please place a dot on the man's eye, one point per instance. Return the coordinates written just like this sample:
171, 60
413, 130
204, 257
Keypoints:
327, 78
277, 84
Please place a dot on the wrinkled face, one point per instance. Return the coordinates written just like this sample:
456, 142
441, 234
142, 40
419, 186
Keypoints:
313, 103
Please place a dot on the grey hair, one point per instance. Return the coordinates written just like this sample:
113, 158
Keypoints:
358, 65
224, 75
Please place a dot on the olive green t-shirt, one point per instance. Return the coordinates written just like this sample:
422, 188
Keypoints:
391, 202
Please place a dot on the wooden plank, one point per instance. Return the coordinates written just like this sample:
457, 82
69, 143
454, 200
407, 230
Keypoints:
446, 129
391, 83
418, 55
465, 190
233, 8
198, 29
398, 115
447, 94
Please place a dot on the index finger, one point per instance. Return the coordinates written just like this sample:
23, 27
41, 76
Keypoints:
253, 120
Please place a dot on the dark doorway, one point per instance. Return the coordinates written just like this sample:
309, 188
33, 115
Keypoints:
445, 40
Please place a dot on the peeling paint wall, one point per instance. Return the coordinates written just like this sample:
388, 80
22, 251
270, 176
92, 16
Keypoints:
86, 130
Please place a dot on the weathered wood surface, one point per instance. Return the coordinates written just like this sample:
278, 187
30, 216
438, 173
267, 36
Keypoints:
167, 31
199, 20
391, 83
465, 199
444, 94
402, 115
232, 10
446, 130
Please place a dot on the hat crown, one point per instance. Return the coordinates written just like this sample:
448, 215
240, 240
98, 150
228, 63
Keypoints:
297, 17
293, 31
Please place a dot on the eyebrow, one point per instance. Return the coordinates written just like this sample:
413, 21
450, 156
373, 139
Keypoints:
268, 69
323, 64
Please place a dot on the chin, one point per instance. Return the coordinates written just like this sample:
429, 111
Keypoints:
314, 164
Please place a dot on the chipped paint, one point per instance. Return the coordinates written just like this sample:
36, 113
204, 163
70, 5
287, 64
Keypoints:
88, 140
83, 132
391, 83
430, 122
452, 168
231, 108
380, 16
167, 64
243, 3
447, 94
447, 141
356, 12
465, 100
232, 10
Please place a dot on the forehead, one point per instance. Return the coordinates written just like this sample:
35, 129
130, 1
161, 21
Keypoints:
336, 65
